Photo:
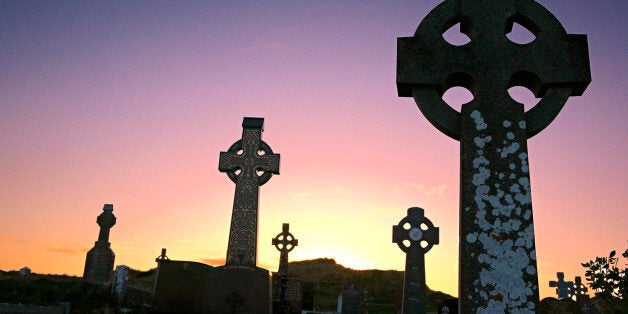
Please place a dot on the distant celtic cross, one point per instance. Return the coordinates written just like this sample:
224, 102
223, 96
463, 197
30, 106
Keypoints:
497, 251
415, 235
249, 163
562, 287
284, 243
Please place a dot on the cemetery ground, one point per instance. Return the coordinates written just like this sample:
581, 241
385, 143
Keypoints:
383, 288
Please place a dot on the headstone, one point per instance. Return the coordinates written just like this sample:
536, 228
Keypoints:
120, 281
498, 271
415, 235
555, 306
448, 306
350, 300
25, 272
239, 286
284, 242
100, 259
181, 286
562, 287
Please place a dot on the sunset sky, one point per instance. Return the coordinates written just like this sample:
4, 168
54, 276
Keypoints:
131, 104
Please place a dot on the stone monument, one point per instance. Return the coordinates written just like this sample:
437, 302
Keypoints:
100, 259
239, 286
498, 270
562, 287
249, 163
415, 235
284, 243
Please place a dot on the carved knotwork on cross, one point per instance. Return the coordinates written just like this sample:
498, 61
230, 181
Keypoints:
415, 235
249, 163
495, 200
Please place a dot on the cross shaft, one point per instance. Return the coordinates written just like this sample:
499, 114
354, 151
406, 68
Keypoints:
249, 163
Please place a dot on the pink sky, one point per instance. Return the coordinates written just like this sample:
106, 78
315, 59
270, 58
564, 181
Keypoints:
130, 104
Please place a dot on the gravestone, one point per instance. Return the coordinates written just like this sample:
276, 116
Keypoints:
100, 259
415, 235
285, 242
498, 271
25, 272
350, 300
562, 287
120, 281
249, 163
239, 286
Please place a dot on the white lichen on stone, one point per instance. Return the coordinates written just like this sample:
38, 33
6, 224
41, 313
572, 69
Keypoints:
479, 121
500, 216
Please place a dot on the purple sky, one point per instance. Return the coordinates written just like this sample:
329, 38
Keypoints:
131, 103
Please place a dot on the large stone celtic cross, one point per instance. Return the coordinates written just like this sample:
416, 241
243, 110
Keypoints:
415, 235
249, 163
497, 252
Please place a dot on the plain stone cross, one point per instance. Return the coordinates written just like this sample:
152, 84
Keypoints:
284, 243
249, 163
562, 286
498, 270
415, 235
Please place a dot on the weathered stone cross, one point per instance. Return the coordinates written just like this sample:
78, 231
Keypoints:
562, 286
284, 243
106, 221
497, 251
415, 235
249, 163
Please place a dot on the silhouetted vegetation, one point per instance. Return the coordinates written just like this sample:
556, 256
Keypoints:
50, 290
609, 280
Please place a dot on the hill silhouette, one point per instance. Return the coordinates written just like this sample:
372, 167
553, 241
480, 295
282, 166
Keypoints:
382, 289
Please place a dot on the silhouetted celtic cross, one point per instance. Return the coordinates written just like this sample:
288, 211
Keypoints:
284, 243
415, 235
496, 218
554, 66
250, 163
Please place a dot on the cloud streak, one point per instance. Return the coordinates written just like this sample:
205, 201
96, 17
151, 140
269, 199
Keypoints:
67, 250
265, 46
